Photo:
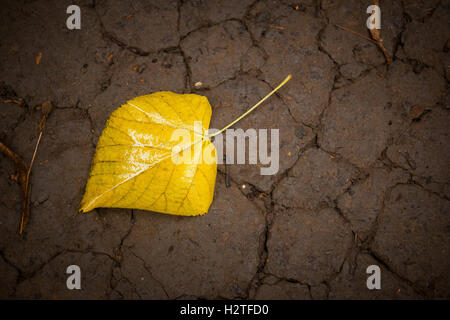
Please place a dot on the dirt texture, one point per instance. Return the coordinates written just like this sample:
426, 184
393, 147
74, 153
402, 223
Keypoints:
364, 174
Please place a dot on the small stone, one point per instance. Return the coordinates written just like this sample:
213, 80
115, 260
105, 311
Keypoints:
416, 111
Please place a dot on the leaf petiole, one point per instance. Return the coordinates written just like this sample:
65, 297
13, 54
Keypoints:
252, 108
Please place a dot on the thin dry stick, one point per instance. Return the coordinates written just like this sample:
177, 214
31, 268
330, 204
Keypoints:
46, 109
20, 164
24, 182
376, 35
19, 102
26, 214
355, 33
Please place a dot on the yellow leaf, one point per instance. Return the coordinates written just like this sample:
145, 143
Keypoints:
133, 167
134, 164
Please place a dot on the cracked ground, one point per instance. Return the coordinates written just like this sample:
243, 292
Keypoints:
364, 173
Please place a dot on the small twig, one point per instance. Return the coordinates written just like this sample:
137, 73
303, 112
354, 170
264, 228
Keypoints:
356, 33
20, 164
19, 102
24, 171
34, 155
24, 183
26, 214
376, 35
274, 26
46, 108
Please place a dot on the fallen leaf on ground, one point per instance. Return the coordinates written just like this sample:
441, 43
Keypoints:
133, 166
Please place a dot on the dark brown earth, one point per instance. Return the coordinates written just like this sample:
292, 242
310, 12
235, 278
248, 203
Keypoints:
364, 160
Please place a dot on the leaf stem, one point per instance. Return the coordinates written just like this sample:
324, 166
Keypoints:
252, 108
